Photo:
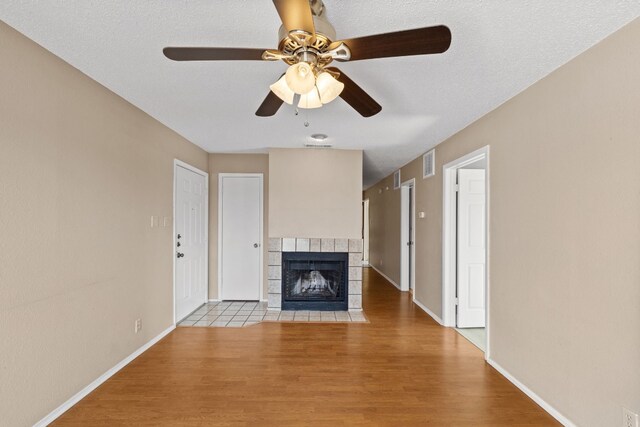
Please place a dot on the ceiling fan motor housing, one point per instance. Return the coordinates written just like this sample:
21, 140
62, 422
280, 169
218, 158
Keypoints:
294, 42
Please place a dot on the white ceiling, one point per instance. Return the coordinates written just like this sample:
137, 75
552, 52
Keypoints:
499, 48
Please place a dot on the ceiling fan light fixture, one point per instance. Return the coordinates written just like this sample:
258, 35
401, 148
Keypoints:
300, 78
282, 90
310, 99
328, 87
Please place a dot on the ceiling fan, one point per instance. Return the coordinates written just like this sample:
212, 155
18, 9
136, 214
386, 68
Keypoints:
308, 45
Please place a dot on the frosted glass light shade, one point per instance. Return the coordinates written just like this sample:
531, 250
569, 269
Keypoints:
328, 87
310, 99
282, 91
300, 78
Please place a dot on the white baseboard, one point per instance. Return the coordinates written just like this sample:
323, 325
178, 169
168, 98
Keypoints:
386, 277
429, 312
102, 378
544, 405
215, 300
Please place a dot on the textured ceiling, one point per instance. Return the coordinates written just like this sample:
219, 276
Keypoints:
499, 48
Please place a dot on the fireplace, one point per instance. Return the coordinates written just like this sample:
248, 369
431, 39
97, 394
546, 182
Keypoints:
309, 247
315, 280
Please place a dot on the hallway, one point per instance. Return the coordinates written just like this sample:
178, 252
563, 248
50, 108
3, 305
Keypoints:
400, 369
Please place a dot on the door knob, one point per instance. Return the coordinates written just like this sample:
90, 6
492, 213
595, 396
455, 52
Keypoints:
180, 255
255, 245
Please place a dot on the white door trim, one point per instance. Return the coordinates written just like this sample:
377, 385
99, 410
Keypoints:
187, 166
404, 228
261, 242
449, 235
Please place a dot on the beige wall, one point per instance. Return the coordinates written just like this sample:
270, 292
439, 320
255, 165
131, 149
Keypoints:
565, 231
384, 228
234, 163
315, 193
81, 173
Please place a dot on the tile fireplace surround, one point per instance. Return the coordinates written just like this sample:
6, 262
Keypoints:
291, 244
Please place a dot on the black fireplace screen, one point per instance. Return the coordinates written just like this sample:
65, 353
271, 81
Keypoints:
314, 280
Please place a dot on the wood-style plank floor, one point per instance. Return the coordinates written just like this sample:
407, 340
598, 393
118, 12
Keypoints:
401, 369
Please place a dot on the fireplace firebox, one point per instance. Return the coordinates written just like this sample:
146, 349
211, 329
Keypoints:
315, 281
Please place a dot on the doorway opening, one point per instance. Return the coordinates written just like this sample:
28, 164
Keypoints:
465, 278
407, 233
365, 233
190, 239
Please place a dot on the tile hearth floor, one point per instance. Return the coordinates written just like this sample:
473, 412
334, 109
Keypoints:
247, 313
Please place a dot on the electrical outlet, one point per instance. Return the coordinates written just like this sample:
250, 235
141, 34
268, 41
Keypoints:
138, 325
629, 419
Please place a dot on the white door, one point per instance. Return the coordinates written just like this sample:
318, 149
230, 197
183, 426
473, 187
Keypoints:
365, 232
407, 246
191, 241
240, 229
411, 241
471, 248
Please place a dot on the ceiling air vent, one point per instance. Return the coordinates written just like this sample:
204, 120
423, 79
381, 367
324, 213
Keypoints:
429, 164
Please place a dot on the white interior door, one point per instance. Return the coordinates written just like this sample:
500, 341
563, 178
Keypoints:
191, 241
411, 237
407, 246
365, 232
471, 248
240, 236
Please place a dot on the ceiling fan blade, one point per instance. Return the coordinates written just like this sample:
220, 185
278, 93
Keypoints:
212, 54
269, 106
295, 15
421, 41
355, 96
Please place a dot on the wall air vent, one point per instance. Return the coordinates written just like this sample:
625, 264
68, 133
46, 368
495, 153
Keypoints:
396, 179
429, 164
318, 140
317, 145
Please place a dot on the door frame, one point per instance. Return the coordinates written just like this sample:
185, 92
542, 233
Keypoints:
449, 249
221, 177
405, 251
179, 163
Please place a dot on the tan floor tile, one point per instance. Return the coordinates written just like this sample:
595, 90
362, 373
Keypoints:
202, 323
219, 324
235, 324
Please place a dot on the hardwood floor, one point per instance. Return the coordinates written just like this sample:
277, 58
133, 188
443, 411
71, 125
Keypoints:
402, 369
